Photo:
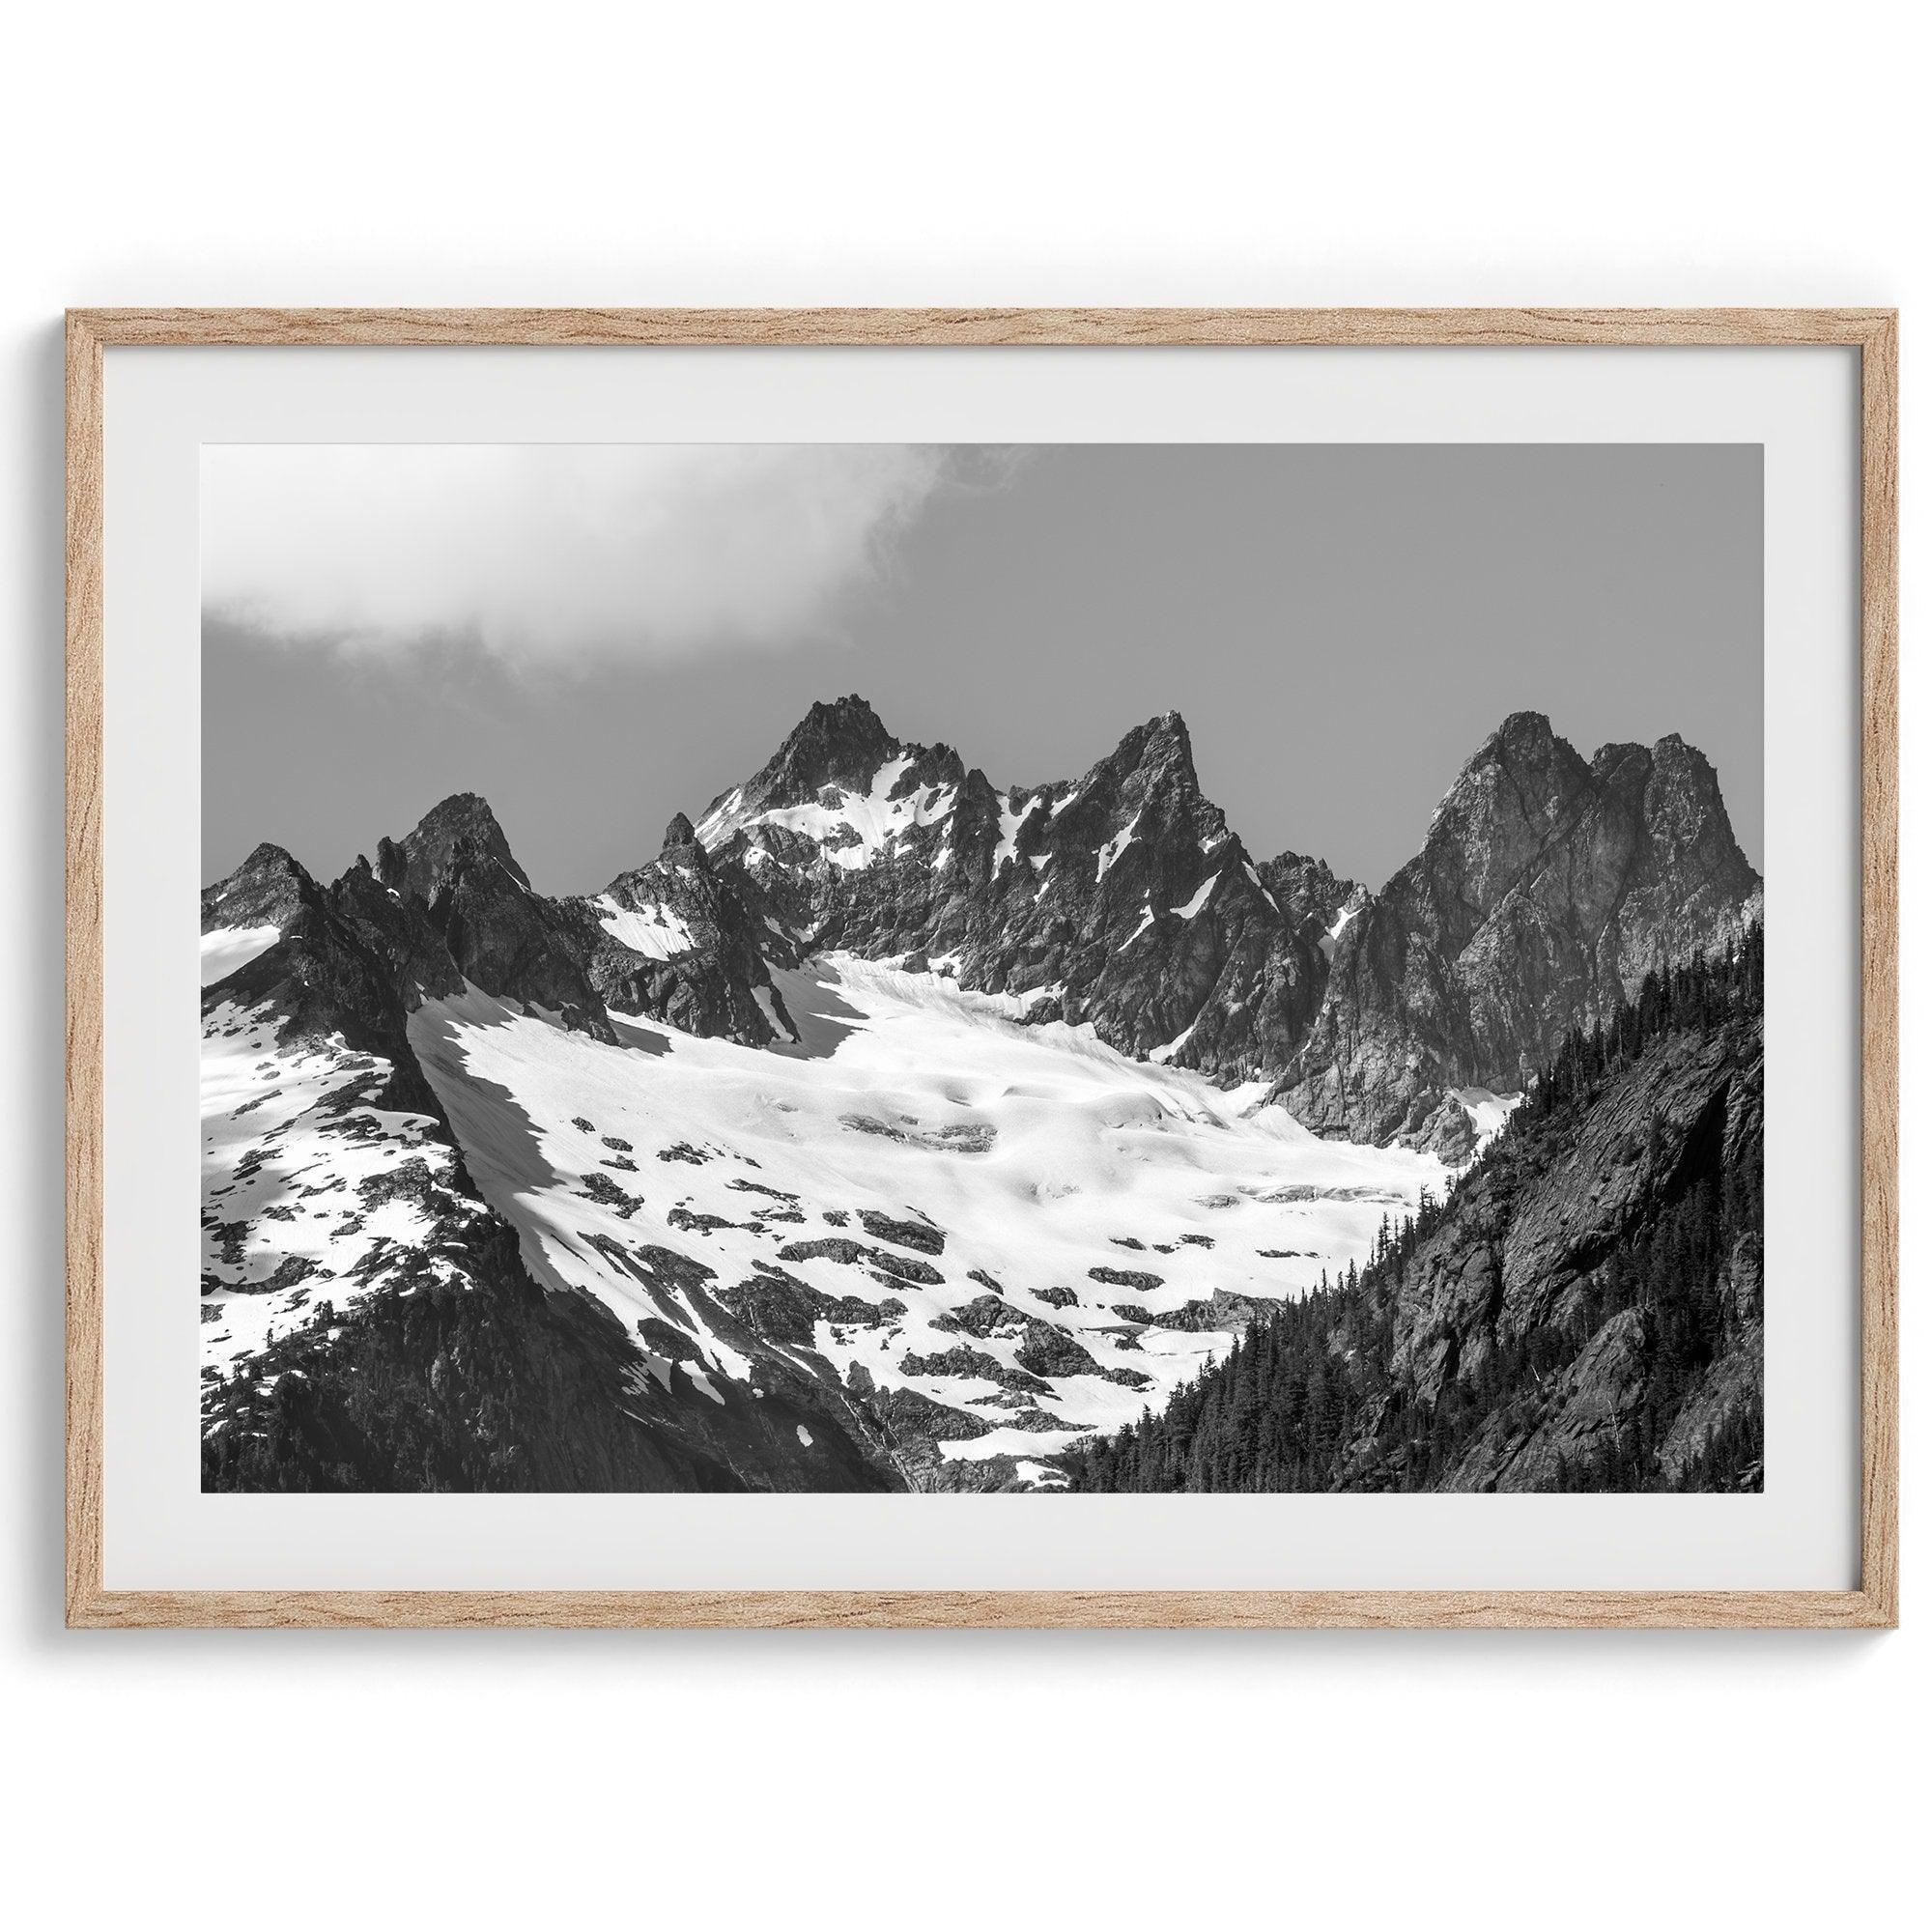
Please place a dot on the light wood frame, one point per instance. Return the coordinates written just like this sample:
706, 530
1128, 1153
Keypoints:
1872, 332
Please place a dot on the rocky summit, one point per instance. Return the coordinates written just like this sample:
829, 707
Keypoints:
1122, 899
884, 1127
1546, 887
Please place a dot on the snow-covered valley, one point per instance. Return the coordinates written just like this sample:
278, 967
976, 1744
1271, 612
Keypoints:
1015, 1224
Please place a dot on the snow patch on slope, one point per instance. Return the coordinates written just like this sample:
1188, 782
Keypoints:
231, 948
1116, 845
1330, 939
1488, 1112
855, 829
1011, 822
654, 931
1201, 896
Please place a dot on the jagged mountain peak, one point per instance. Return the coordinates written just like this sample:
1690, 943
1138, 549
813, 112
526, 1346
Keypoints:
1675, 758
1159, 748
263, 891
842, 742
460, 812
1525, 728
1512, 795
1151, 770
267, 878
1618, 754
1545, 889
839, 745
266, 857
681, 845
1526, 741
267, 861
460, 828
852, 712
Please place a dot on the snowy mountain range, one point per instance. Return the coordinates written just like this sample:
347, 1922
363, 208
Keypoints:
887, 1129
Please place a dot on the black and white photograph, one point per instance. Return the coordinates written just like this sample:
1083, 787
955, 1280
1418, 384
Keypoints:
1045, 970
1059, 899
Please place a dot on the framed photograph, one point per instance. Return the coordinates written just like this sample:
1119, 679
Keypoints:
1001, 968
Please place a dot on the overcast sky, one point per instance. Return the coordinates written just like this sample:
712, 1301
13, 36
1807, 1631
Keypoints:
595, 637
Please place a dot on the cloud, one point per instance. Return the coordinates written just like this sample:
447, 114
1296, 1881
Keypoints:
544, 554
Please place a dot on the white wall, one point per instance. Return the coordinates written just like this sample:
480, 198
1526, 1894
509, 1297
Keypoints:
996, 153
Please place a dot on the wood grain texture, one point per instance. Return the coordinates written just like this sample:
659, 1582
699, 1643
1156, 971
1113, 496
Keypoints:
1874, 332
1879, 964
84, 746
984, 1610
1040, 328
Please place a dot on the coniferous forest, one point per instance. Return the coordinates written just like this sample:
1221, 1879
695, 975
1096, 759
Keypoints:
1583, 1312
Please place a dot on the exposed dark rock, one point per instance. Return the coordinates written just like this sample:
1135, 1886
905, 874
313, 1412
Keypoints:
696, 956
920, 1234
1545, 890
781, 1308
740, 1185
886, 1265
1313, 901
407, 1180
962, 1137
984, 1316
689, 1221
960, 1360
503, 937
1123, 899
1222, 1310
601, 1187
831, 1248
903, 1267
266, 889
1047, 1350
1124, 1278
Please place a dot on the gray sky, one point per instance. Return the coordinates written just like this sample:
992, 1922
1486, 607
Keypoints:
597, 636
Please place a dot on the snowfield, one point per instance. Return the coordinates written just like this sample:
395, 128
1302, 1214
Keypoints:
914, 1152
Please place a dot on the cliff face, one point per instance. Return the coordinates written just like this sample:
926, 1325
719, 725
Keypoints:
673, 939
458, 868
1581, 1225
1544, 891
1585, 1311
